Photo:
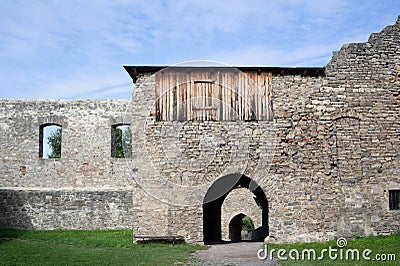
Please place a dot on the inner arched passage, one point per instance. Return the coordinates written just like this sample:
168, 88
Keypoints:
215, 197
235, 227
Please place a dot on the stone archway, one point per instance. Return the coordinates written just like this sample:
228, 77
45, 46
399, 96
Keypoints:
235, 227
214, 199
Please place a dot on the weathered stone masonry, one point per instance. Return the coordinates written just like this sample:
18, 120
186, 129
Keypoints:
336, 155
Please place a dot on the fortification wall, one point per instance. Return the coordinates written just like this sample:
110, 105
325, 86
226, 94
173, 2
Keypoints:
84, 189
86, 144
326, 162
364, 85
337, 150
42, 208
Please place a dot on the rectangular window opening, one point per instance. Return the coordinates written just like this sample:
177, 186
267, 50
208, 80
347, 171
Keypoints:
121, 141
50, 141
394, 199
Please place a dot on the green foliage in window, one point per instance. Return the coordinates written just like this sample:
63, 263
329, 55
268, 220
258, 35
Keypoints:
247, 224
54, 142
123, 142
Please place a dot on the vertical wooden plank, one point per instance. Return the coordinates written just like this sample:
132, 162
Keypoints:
178, 97
234, 94
223, 88
253, 97
228, 96
183, 97
203, 96
220, 100
260, 85
166, 93
171, 97
265, 97
204, 103
263, 110
157, 93
160, 95
214, 100
175, 98
180, 106
203, 99
240, 91
188, 98
167, 89
256, 95
210, 99
270, 94
265, 100
230, 102
205, 86
194, 100
233, 97
198, 99
246, 97
164, 96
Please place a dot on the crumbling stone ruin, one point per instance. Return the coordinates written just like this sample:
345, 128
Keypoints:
307, 153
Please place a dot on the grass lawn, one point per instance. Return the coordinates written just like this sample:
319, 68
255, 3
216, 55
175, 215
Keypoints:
88, 247
384, 246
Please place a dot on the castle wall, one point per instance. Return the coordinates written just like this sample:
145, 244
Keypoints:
326, 162
40, 208
364, 82
84, 189
86, 144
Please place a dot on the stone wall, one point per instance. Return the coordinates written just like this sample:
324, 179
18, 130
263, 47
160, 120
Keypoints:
239, 201
84, 189
325, 163
364, 82
337, 146
86, 144
31, 208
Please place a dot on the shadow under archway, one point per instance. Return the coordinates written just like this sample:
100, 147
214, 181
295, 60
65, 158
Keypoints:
214, 199
235, 227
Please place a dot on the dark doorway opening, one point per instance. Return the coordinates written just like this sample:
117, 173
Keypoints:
235, 228
214, 199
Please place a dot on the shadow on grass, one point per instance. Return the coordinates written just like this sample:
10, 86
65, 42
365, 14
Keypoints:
7, 235
14, 219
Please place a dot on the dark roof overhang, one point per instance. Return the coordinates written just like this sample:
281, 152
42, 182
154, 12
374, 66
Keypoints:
135, 71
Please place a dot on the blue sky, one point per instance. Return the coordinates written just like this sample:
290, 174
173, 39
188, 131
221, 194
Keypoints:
76, 49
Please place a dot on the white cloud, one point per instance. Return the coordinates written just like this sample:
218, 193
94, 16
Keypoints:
69, 49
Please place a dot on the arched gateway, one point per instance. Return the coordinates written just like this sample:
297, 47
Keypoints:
215, 197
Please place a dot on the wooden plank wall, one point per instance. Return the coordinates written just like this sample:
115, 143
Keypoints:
226, 95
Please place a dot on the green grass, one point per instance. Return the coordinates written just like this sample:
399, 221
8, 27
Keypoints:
86, 247
377, 244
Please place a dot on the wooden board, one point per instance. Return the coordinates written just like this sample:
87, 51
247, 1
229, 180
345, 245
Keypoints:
225, 95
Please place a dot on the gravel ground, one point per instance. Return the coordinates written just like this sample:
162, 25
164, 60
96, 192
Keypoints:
241, 253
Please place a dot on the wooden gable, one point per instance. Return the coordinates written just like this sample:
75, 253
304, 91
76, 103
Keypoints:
202, 94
